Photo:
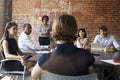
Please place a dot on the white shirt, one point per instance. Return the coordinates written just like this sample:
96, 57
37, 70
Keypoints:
26, 44
107, 41
82, 42
43, 29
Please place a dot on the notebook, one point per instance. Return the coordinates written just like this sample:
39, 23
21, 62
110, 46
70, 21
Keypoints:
96, 48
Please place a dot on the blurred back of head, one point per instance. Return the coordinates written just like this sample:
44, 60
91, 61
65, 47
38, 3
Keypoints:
64, 28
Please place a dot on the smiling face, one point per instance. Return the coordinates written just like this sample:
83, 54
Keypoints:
44, 21
28, 30
103, 33
81, 33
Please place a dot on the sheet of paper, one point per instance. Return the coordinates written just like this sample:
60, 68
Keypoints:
6, 78
110, 62
42, 52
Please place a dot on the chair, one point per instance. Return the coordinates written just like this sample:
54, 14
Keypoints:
4, 72
51, 76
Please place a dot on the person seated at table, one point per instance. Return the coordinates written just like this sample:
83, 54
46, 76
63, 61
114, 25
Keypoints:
10, 49
82, 40
108, 42
75, 61
24, 41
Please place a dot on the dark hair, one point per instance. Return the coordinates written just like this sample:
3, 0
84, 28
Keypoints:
8, 26
64, 28
27, 25
45, 17
83, 30
103, 27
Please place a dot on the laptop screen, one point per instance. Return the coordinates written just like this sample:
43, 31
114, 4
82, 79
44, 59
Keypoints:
96, 46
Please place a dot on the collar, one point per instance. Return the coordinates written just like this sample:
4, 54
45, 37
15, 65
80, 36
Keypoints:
65, 48
105, 37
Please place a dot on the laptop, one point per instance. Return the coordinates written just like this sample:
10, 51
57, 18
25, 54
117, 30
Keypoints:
96, 48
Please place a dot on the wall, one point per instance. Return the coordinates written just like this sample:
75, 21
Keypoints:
90, 14
2, 16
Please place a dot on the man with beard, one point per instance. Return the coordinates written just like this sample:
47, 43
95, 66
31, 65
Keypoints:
24, 41
108, 42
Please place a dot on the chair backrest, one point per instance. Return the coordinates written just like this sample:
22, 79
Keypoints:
51, 76
2, 54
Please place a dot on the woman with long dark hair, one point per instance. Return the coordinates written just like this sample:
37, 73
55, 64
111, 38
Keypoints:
10, 48
82, 40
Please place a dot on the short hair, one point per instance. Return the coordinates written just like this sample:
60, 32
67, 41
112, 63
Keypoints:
45, 17
64, 28
27, 25
83, 30
103, 27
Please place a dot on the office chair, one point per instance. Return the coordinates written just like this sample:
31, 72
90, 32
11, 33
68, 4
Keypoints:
45, 75
4, 71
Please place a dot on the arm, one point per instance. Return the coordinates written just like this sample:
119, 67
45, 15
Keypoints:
25, 53
116, 44
35, 74
90, 69
91, 61
10, 56
78, 43
41, 30
113, 45
37, 70
75, 43
86, 43
30, 44
6, 51
112, 48
96, 39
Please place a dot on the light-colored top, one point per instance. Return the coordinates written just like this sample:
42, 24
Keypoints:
80, 43
43, 29
26, 44
107, 41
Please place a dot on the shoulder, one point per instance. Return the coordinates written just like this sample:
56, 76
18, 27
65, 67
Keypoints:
23, 35
111, 36
86, 39
4, 42
98, 35
43, 58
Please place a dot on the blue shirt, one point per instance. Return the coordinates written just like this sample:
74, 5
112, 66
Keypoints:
107, 41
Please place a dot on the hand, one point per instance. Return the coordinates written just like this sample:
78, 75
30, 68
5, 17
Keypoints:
23, 62
32, 54
44, 33
109, 49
